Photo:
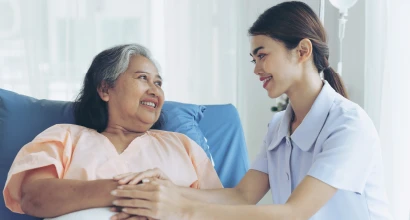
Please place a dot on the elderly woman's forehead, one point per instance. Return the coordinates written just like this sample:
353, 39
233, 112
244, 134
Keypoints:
141, 61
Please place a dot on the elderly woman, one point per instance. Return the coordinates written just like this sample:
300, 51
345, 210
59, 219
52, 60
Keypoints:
68, 168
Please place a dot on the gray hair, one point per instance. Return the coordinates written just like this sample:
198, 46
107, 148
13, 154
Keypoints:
119, 58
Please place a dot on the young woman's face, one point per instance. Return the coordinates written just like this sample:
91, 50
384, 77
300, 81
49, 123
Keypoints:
275, 65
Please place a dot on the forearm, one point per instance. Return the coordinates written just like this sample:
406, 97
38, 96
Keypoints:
271, 212
55, 197
226, 196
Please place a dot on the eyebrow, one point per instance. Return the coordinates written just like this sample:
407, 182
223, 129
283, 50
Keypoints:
255, 51
156, 76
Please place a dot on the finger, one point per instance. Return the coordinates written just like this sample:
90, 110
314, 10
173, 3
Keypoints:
148, 174
134, 181
139, 212
134, 203
122, 175
156, 181
140, 187
135, 217
129, 187
115, 209
126, 179
120, 216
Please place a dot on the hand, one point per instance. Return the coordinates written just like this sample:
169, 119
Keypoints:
135, 178
157, 199
124, 216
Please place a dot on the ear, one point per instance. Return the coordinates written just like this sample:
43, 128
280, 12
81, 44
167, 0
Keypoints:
103, 91
304, 50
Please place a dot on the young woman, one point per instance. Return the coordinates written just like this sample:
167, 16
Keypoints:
321, 157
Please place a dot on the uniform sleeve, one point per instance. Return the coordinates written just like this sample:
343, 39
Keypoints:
347, 156
207, 176
52, 147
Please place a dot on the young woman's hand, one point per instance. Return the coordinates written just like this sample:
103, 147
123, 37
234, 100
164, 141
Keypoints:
157, 199
135, 178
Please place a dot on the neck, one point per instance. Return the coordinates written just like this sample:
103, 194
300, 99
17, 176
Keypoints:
119, 131
303, 94
120, 137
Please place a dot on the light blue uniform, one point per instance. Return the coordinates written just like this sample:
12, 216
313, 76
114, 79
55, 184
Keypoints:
337, 144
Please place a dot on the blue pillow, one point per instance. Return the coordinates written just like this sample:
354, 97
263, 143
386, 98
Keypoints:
222, 127
23, 117
184, 118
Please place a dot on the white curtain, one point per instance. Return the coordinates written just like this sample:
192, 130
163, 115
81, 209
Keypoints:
387, 90
46, 46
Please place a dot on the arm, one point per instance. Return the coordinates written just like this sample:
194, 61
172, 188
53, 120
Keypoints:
44, 195
244, 193
155, 200
305, 201
250, 190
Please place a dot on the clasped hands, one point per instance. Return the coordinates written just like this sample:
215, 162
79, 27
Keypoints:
148, 195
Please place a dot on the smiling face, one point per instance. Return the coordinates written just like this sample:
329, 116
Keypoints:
136, 100
276, 66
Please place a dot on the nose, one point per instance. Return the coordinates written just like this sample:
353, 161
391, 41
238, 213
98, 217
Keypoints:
153, 90
258, 70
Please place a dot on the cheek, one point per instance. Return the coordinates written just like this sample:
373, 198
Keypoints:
161, 94
284, 68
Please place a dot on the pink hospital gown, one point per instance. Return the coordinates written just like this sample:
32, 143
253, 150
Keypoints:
84, 154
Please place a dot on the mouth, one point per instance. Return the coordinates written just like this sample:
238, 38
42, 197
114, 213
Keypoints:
265, 80
149, 104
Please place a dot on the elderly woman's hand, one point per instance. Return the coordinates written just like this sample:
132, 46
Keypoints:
135, 178
158, 199
125, 216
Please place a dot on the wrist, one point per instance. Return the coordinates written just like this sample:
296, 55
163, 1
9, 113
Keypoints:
181, 190
192, 210
100, 190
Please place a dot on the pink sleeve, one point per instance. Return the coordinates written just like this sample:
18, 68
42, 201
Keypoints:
207, 176
52, 147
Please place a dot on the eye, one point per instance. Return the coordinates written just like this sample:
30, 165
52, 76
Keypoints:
158, 83
260, 56
144, 77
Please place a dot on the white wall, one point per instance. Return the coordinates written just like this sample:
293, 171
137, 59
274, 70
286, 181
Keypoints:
353, 47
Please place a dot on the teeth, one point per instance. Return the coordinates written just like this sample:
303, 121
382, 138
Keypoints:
267, 79
149, 104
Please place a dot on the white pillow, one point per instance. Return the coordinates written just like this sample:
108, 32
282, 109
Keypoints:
87, 214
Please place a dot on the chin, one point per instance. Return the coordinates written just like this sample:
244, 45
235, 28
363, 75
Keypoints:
274, 95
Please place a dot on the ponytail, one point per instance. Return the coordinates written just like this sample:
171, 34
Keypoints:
335, 81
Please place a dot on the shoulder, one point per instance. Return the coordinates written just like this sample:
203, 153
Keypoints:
345, 113
61, 131
348, 125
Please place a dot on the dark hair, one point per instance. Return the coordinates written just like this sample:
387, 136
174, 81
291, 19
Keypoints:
89, 109
290, 22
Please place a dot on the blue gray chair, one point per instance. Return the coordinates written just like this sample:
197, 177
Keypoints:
23, 117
